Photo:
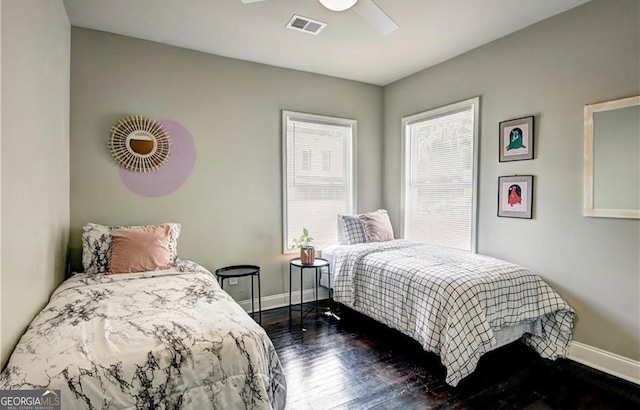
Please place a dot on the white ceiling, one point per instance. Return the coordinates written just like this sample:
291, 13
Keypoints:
431, 31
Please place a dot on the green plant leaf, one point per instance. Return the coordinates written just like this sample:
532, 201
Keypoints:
303, 241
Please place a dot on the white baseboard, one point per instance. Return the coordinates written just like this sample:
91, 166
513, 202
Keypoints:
276, 301
604, 361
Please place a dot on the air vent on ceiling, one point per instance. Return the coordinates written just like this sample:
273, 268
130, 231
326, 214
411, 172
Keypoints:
306, 25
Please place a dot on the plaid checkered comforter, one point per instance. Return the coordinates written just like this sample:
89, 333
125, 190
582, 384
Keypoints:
450, 301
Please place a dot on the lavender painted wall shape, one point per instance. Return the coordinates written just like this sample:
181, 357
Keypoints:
173, 173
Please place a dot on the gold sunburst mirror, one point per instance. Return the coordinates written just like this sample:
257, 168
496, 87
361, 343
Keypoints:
140, 144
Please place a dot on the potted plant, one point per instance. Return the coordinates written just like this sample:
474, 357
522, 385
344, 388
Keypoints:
307, 251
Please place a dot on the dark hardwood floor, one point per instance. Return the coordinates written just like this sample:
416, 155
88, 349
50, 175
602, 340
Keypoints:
356, 363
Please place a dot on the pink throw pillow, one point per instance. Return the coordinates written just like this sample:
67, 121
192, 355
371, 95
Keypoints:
140, 249
377, 226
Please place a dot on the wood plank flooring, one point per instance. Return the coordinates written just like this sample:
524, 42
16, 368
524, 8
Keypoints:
356, 363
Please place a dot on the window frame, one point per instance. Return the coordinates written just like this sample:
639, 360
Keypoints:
405, 163
286, 114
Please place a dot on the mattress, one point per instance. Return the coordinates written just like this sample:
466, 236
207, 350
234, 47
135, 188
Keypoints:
327, 253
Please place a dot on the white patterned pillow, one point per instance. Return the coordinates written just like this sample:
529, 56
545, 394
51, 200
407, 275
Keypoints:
350, 230
96, 245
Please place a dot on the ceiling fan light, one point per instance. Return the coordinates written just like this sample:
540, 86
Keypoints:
338, 5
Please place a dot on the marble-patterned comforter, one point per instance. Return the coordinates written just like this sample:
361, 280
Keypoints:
154, 340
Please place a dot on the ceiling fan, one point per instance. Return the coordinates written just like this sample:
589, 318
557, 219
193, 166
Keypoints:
366, 9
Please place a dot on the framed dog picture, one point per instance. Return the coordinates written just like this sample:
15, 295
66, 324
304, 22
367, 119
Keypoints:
516, 139
515, 196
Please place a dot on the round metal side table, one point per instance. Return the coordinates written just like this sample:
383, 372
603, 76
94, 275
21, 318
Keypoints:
239, 271
317, 265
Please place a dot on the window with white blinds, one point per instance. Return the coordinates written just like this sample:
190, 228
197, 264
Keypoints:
318, 173
440, 175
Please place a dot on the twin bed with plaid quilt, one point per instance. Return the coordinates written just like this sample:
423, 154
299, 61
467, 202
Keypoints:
452, 302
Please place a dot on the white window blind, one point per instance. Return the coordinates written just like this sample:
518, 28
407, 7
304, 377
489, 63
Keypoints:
318, 172
440, 163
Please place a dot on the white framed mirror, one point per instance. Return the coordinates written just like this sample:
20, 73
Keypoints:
612, 159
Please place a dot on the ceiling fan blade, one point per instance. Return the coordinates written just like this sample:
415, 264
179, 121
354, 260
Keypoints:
375, 16
250, 1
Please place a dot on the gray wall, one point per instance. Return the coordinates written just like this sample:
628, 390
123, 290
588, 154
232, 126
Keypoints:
549, 70
35, 159
616, 158
231, 206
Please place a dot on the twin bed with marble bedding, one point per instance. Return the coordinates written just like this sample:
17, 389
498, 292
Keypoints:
160, 338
